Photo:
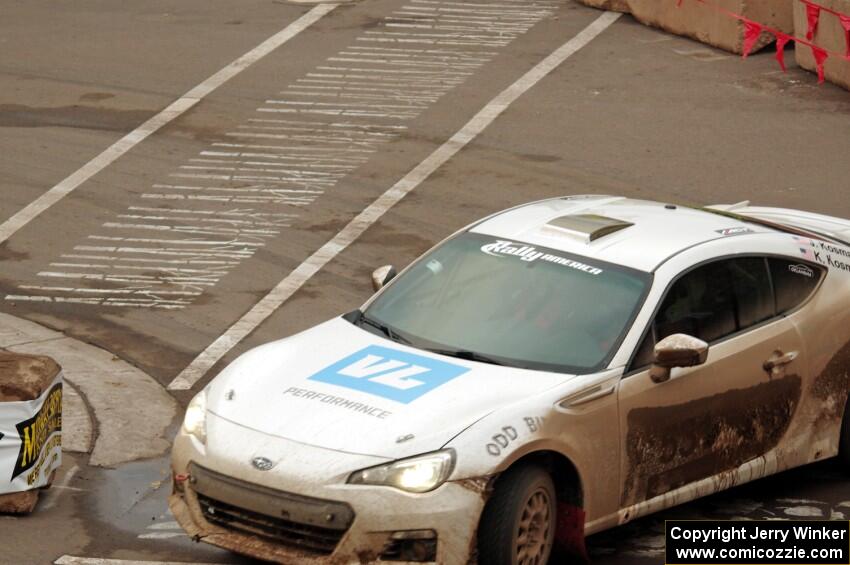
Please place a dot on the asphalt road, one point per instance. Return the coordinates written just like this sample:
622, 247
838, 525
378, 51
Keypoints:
635, 112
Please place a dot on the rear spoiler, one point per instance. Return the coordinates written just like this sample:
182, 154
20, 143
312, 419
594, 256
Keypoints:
798, 222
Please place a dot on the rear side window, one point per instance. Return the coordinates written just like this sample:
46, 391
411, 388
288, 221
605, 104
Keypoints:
793, 282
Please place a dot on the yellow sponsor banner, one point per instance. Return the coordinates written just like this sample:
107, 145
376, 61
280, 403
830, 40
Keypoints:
31, 440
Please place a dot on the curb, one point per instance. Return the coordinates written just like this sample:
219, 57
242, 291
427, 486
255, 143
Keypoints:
131, 410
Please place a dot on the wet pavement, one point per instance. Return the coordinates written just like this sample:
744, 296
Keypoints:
126, 512
817, 491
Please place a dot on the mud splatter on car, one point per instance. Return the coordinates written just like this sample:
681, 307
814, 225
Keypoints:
671, 446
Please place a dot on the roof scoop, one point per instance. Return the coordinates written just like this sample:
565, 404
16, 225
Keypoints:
584, 227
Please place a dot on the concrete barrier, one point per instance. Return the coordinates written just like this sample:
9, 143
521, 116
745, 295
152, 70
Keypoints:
829, 36
612, 5
705, 23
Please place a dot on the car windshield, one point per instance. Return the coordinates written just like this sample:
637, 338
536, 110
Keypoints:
510, 303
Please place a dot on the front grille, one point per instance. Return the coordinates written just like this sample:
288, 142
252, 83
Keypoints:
311, 538
310, 524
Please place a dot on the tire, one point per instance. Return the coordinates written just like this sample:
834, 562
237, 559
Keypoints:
523, 496
844, 439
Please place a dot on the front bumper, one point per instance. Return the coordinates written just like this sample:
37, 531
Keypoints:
316, 476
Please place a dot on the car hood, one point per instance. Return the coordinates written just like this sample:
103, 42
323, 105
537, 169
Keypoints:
340, 387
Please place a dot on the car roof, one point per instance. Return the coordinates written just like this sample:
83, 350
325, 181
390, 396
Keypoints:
639, 234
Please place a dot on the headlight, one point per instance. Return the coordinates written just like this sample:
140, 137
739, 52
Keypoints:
422, 473
195, 421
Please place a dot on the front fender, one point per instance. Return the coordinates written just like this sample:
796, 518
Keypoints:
586, 433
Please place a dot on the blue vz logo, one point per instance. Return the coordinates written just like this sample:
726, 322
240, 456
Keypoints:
389, 373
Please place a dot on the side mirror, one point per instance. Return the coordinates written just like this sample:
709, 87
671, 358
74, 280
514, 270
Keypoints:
382, 275
677, 350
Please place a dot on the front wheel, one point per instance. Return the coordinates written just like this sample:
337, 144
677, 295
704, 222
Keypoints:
518, 523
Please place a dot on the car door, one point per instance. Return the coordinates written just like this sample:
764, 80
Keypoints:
711, 418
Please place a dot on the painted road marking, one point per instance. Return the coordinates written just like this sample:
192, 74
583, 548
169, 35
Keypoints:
702, 54
72, 560
174, 110
170, 525
56, 490
216, 210
181, 238
163, 535
296, 279
168, 529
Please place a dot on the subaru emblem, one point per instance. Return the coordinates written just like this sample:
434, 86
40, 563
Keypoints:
262, 463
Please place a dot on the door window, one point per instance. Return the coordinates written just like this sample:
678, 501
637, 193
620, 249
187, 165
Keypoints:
753, 294
711, 302
702, 304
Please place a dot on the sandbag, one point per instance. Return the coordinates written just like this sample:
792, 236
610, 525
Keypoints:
30, 428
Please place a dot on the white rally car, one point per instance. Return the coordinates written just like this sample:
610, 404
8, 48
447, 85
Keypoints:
551, 371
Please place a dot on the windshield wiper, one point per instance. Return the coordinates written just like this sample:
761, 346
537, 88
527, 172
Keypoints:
468, 355
385, 329
395, 336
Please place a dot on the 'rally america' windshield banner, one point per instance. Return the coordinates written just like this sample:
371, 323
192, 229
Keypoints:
528, 254
31, 440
